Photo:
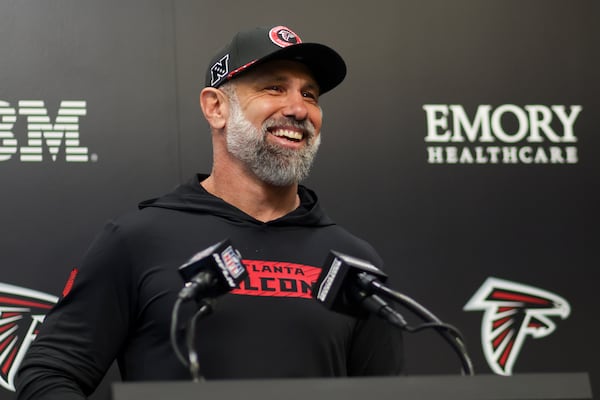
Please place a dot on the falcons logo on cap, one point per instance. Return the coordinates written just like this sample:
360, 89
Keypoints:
21, 313
513, 311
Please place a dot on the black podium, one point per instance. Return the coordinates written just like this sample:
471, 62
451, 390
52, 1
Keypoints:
555, 386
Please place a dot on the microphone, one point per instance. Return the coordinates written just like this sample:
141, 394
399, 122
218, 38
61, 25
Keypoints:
352, 286
207, 274
343, 286
212, 272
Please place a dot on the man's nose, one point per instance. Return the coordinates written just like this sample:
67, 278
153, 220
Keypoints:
295, 106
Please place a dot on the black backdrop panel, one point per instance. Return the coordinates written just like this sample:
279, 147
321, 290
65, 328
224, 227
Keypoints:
117, 59
124, 74
133, 72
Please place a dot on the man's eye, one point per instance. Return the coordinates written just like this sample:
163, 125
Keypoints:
274, 88
310, 95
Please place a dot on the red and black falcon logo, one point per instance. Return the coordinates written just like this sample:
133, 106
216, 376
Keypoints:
21, 313
283, 36
513, 311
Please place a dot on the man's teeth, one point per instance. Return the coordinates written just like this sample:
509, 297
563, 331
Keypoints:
288, 134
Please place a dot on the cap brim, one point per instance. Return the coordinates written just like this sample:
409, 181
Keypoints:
326, 65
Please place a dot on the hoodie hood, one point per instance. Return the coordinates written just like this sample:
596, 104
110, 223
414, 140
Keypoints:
192, 197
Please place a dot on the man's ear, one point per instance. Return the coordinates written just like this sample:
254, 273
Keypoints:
215, 107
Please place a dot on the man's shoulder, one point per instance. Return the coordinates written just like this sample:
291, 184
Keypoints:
138, 221
345, 241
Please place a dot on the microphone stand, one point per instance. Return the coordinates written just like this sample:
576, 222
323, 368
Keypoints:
206, 307
192, 363
451, 334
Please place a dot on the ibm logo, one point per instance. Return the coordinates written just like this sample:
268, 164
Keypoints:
42, 132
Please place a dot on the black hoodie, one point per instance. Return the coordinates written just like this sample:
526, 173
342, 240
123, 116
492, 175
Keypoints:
121, 302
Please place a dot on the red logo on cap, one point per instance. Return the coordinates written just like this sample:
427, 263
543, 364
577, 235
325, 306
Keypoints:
283, 36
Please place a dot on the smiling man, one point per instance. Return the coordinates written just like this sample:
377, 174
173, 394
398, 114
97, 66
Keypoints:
261, 102
266, 118
266, 132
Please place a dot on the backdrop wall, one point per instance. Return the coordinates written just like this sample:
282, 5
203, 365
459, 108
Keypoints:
461, 145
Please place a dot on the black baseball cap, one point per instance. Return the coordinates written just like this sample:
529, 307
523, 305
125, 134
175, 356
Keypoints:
250, 48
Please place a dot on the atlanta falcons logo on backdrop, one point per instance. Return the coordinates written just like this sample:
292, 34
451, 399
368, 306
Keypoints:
512, 312
21, 312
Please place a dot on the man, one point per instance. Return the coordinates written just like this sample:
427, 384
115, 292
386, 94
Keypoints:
261, 102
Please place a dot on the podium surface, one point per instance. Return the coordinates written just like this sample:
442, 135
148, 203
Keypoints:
555, 386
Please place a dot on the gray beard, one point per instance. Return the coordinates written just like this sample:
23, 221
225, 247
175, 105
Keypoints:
271, 163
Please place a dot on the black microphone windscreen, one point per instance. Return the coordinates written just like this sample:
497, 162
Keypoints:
338, 284
222, 262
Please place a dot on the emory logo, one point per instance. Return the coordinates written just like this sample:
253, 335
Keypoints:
533, 134
42, 132
21, 313
513, 311
277, 279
